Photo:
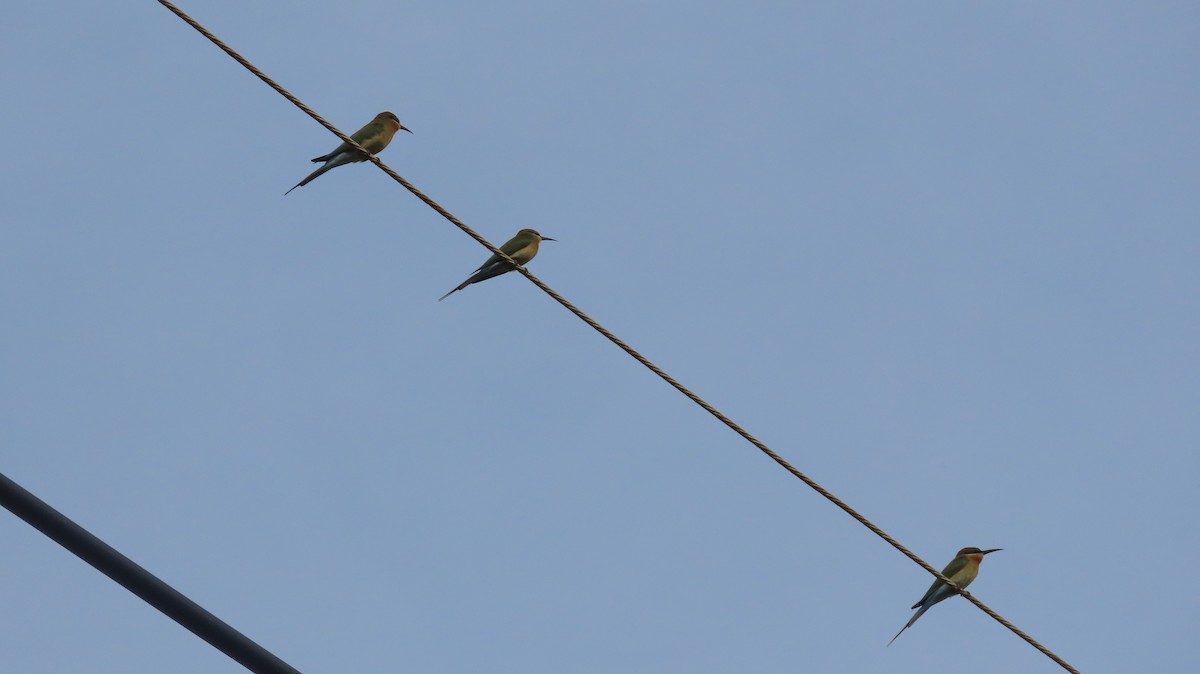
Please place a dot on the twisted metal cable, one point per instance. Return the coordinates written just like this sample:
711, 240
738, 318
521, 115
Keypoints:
617, 340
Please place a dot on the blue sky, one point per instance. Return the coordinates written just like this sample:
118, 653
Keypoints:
940, 256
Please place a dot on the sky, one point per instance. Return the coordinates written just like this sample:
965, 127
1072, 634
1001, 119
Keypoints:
940, 256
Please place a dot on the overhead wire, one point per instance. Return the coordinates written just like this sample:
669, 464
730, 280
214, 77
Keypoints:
612, 337
148, 587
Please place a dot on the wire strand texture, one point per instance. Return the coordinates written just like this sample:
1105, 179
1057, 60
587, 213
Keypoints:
746, 435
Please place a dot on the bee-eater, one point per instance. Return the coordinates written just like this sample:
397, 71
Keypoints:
374, 137
962, 570
522, 248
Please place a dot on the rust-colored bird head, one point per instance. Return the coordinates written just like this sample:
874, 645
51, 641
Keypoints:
976, 551
393, 119
533, 232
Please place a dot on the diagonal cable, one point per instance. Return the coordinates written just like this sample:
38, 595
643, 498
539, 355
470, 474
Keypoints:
148, 587
614, 339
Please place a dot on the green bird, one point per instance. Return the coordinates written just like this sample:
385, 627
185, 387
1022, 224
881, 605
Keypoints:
522, 248
373, 137
961, 570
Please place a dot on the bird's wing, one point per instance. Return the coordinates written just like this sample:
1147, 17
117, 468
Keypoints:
359, 137
928, 593
336, 151
490, 261
371, 129
956, 565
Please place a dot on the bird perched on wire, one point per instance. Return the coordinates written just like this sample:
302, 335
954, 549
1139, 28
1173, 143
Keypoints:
522, 248
961, 570
374, 137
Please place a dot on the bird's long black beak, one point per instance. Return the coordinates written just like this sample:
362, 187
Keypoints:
992, 550
405, 128
546, 238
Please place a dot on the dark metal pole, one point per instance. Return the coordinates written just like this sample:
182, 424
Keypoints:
139, 581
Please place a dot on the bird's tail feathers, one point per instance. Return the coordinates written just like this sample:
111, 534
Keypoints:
331, 164
462, 285
910, 622
452, 292
311, 177
898, 634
